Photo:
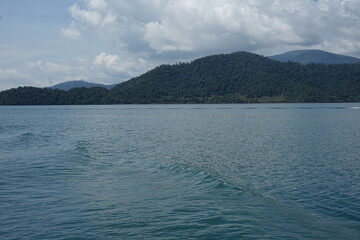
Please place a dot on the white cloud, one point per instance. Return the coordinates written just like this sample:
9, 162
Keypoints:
48, 73
202, 27
104, 68
50, 67
95, 14
82, 61
8, 72
114, 65
121, 39
109, 19
163, 38
76, 78
71, 33
90, 17
110, 61
11, 77
97, 4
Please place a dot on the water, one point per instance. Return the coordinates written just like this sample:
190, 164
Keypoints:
262, 171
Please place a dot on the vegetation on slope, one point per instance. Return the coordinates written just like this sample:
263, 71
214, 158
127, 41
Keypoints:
227, 78
243, 77
78, 84
314, 56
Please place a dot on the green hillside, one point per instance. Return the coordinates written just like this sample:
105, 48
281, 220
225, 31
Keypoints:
243, 77
314, 56
78, 84
240, 77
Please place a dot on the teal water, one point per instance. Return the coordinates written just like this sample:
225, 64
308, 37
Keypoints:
262, 171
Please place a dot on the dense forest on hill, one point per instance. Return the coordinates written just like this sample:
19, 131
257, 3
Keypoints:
240, 77
314, 56
78, 84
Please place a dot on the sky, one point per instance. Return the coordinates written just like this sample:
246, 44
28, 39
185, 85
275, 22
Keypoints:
43, 42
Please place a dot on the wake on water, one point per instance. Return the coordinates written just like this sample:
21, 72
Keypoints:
222, 172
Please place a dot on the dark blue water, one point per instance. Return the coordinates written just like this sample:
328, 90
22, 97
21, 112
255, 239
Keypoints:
275, 171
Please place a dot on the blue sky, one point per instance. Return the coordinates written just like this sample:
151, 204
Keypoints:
45, 42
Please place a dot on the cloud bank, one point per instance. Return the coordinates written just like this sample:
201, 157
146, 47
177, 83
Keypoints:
173, 26
129, 37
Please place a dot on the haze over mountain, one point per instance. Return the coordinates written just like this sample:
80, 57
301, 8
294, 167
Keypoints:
240, 77
66, 86
314, 56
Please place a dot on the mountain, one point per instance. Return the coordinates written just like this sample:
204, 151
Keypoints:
66, 86
243, 77
239, 77
314, 56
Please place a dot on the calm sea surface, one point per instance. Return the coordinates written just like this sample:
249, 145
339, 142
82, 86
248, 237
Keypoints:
262, 171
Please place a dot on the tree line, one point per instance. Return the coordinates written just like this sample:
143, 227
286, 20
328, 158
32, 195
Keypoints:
240, 77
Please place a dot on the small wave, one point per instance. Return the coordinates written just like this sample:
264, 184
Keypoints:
83, 148
30, 137
218, 184
28, 134
201, 178
26, 137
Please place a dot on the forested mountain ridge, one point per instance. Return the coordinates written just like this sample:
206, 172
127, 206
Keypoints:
239, 77
78, 84
243, 77
314, 56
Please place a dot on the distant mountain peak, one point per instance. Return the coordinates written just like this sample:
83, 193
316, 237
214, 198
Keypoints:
314, 56
66, 86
